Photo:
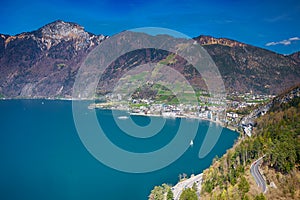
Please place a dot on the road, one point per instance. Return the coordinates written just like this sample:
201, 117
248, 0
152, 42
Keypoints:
254, 170
188, 183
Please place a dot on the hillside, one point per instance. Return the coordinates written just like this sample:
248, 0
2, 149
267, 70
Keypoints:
245, 67
277, 138
44, 63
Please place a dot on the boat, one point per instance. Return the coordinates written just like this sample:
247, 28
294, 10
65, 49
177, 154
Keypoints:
123, 117
191, 143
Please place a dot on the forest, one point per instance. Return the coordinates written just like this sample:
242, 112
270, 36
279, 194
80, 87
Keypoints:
277, 138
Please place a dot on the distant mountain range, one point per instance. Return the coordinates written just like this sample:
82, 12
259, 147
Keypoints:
44, 63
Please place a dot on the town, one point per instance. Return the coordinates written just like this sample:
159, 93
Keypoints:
231, 112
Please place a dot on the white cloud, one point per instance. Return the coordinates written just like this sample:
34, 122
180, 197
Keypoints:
283, 42
294, 38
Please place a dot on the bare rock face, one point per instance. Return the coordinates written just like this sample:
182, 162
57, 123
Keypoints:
52, 34
208, 40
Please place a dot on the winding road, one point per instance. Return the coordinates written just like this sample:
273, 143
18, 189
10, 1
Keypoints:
188, 183
254, 170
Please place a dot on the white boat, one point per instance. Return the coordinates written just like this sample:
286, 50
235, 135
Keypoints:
123, 117
191, 143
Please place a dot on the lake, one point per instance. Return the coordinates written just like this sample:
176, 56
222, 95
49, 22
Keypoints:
42, 156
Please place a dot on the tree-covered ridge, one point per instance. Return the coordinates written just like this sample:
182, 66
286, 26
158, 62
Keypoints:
280, 139
277, 136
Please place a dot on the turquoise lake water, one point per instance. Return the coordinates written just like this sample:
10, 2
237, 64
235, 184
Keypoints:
42, 156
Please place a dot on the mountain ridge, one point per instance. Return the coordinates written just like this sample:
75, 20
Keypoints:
43, 63
203, 39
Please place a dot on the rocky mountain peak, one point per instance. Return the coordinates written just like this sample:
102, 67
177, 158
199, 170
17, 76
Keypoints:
61, 29
55, 33
58, 31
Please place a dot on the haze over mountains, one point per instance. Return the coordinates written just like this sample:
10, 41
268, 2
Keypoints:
44, 63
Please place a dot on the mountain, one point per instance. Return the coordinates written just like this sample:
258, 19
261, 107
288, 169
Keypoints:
44, 63
245, 67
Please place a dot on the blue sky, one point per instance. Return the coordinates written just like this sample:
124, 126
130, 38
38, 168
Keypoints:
274, 25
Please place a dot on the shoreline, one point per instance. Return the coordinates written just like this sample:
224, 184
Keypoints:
46, 98
232, 128
50, 99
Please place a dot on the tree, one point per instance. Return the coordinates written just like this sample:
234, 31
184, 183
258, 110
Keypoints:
170, 195
223, 195
243, 186
208, 186
260, 197
195, 186
245, 197
161, 193
157, 193
188, 194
